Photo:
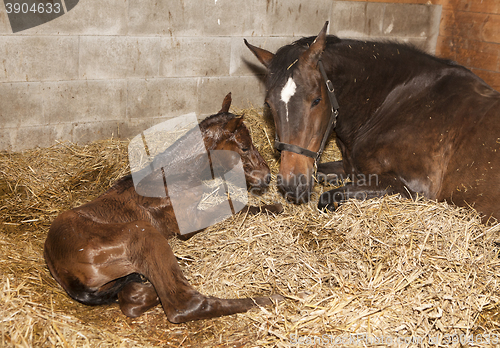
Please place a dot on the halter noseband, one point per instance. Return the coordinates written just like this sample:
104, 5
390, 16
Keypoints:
278, 145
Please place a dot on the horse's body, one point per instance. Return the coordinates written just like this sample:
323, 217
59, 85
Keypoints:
104, 250
408, 122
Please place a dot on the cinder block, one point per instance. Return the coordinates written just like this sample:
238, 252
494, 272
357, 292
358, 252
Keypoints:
166, 17
63, 132
34, 58
86, 132
84, 100
246, 91
292, 18
434, 27
243, 62
162, 97
107, 17
133, 127
416, 21
193, 56
5, 139
32, 137
106, 57
22, 104
231, 18
406, 20
356, 19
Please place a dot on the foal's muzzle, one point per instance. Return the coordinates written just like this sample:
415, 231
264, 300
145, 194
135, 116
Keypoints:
258, 184
295, 188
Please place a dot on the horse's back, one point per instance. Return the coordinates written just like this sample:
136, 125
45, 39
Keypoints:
473, 173
441, 134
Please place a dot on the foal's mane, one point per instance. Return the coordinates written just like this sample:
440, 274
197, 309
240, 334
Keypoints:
184, 146
214, 119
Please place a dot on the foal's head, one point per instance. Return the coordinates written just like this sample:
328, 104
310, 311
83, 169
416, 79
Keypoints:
226, 131
298, 100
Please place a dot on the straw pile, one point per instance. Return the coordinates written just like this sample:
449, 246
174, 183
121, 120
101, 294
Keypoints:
386, 272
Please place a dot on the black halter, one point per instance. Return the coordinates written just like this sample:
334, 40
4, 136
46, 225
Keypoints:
278, 145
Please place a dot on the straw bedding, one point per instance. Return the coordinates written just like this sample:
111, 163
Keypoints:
385, 272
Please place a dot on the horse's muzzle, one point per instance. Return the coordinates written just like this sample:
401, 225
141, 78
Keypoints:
295, 188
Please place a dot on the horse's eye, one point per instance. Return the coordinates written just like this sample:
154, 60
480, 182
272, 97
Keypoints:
245, 149
266, 104
316, 102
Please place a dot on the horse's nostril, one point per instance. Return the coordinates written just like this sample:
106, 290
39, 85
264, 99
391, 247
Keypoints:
296, 189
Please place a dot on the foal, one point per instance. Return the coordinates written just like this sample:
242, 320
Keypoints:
105, 250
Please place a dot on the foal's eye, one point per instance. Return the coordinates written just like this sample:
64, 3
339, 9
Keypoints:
245, 149
266, 104
316, 102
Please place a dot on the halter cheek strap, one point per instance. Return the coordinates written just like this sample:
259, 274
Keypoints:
278, 145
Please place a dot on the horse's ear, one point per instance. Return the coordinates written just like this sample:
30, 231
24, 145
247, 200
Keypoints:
226, 104
233, 124
313, 53
262, 55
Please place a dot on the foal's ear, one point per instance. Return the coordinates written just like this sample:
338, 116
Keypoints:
262, 55
313, 53
233, 124
226, 104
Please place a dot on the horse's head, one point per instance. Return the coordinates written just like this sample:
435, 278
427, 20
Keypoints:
234, 136
298, 100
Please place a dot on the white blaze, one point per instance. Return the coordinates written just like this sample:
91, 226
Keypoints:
287, 92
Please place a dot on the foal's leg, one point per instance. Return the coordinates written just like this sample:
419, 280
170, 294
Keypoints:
152, 256
136, 298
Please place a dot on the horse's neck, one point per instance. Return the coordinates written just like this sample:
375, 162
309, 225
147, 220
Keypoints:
364, 73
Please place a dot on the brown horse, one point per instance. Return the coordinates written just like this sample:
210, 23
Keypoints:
116, 248
408, 122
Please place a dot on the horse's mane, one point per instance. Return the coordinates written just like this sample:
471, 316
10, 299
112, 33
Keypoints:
287, 55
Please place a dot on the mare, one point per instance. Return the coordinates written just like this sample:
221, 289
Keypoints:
406, 122
115, 248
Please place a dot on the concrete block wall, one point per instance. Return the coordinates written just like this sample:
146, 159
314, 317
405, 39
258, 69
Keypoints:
117, 67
